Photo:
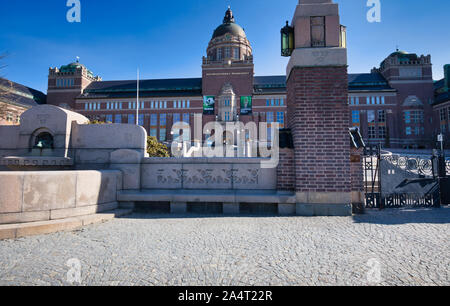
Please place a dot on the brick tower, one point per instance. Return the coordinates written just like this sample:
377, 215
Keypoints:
66, 83
318, 113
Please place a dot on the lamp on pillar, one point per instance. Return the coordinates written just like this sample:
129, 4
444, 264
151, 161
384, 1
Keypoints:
287, 40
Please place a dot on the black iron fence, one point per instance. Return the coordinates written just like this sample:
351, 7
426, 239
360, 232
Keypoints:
394, 180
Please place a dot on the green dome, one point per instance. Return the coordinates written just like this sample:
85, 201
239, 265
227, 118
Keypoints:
229, 27
71, 67
404, 56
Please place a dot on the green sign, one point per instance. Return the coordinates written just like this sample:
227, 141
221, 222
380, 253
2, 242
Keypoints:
208, 105
246, 105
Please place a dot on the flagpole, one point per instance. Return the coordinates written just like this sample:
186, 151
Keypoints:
137, 106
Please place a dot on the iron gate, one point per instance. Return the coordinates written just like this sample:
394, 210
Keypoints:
394, 180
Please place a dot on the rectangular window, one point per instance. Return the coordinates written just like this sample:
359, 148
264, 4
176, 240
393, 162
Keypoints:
408, 118
118, 119
131, 119
186, 118
371, 116
373, 100
270, 117
282, 102
381, 116
383, 100
372, 132
109, 118
417, 131
219, 54
86, 106
227, 52
141, 120
162, 134
408, 131
188, 104
184, 103
176, 118
378, 100
163, 120
280, 119
268, 102
153, 120
368, 100
154, 132
236, 53
417, 116
318, 31
382, 132
272, 102
355, 118
357, 100
442, 115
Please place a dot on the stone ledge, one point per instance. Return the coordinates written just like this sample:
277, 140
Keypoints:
216, 196
13, 231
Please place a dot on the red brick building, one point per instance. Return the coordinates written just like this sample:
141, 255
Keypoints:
392, 105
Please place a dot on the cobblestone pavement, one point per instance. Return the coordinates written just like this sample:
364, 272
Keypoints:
410, 247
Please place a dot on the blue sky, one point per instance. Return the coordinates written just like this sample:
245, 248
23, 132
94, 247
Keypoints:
167, 39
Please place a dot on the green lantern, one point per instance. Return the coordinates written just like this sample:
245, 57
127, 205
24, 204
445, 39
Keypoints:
287, 40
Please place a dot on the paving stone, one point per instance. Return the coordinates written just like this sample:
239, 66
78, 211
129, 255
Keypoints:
410, 247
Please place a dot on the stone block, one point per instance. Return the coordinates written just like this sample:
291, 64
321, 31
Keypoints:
207, 176
286, 209
11, 188
24, 217
304, 210
129, 163
41, 228
81, 211
324, 210
252, 176
162, 176
178, 207
231, 208
96, 187
49, 190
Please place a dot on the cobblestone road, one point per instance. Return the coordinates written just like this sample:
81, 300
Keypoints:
410, 247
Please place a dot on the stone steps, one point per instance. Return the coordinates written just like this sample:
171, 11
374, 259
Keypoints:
13, 231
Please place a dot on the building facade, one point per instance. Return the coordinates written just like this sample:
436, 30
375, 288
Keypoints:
16, 99
442, 104
392, 105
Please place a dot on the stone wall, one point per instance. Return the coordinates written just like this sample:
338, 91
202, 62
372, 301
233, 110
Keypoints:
43, 196
207, 173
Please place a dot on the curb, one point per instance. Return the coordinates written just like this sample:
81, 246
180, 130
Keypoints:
13, 231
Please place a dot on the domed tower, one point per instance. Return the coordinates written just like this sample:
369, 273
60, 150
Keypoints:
66, 83
228, 65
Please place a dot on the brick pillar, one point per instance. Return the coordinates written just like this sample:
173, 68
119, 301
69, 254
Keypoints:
318, 112
286, 170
